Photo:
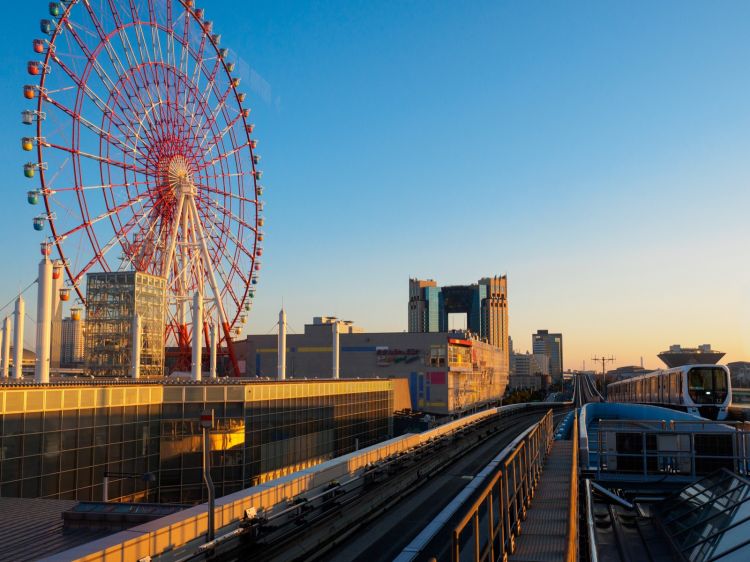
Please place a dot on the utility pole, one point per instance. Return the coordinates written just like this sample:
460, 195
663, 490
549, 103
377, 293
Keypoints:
604, 361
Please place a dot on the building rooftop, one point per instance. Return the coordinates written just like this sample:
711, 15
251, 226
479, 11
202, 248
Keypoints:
677, 356
33, 529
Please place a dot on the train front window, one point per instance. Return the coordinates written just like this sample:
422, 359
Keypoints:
707, 385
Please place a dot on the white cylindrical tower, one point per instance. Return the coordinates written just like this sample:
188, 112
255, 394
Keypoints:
281, 351
3, 368
335, 346
43, 321
135, 352
214, 346
197, 333
6, 347
18, 317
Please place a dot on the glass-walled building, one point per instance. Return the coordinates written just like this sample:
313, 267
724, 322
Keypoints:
58, 441
112, 299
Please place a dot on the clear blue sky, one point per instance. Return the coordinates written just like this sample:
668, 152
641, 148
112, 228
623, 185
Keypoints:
596, 152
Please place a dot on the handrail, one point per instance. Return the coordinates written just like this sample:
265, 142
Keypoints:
571, 554
502, 503
593, 554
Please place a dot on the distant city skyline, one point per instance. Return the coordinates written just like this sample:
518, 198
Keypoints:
596, 154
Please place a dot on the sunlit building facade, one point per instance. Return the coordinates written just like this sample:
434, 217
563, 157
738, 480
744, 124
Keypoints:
447, 372
58, 441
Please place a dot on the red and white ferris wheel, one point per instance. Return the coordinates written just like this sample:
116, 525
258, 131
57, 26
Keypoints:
145, 156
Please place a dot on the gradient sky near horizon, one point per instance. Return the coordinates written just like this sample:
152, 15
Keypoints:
598, 153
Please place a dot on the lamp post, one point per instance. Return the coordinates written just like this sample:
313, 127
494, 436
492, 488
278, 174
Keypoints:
207, 424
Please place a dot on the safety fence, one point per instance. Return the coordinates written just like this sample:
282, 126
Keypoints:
489, 529
654, 448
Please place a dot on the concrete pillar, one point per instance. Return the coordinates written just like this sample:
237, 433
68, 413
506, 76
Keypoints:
6, 347
43, 321
281, 351
135, 352
336, 351
18, 317
197, 333
214, 345
57, 313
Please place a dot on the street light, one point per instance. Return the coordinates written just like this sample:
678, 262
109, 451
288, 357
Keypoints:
207, 424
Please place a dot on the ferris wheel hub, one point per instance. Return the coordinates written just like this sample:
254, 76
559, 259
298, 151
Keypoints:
179, 177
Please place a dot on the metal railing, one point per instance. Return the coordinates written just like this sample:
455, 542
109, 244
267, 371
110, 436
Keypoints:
489, 528
571, 550
676, 447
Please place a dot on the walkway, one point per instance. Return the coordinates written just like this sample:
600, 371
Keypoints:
544, 534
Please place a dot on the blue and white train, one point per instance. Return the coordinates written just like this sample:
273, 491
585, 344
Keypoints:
704, 390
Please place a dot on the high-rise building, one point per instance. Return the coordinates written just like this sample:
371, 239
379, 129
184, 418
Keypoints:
550, 345
423, 306
112, 299
71, 342
485, 304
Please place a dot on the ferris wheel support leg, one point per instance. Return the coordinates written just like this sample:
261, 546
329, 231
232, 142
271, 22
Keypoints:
208, 266
44, 321
18, 339
214, 344
197, 343
167, 265
6, 346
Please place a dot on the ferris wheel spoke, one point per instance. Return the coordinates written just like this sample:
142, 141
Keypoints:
54, 190
114, 58
101, 159
226, 232
89, 125
91, 222
111, 243
210, 89
92, 61
231, 261
94, 97
220, 135
222, 156
223, 210
211, 189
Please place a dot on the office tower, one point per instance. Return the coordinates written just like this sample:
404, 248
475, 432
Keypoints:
71, 343
550, 345
485, 304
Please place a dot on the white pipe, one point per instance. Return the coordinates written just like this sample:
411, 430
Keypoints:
197, 334
43, 321
3, 370
135, 352
214, 345
18, 339
6, 347
56, 323
281, 365
335, 347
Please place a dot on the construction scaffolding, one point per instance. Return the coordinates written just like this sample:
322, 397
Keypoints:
112, 299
